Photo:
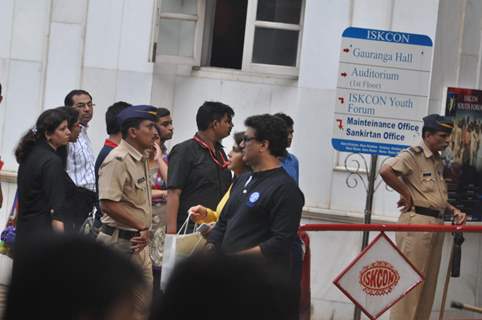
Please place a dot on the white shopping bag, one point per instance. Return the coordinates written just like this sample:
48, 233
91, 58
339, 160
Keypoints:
178, 247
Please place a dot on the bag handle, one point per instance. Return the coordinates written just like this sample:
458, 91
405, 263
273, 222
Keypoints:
185, 225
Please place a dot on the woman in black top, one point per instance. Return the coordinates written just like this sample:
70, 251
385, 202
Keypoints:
41, 177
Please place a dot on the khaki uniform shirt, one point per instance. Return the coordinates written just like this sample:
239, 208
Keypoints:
123, 177
422, 172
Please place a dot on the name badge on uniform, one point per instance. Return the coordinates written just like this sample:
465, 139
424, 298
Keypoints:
427, 174
141, 180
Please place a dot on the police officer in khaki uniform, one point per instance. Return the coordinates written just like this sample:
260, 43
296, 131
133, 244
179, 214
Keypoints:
125, 195
417, 175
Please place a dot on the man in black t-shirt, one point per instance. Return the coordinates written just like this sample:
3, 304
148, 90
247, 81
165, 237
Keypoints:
263, 212
198, 172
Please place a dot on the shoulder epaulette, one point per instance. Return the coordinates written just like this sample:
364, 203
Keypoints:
413, 150
119, 156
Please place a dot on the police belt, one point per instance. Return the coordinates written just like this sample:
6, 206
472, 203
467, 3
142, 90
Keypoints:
430, 212
123, 234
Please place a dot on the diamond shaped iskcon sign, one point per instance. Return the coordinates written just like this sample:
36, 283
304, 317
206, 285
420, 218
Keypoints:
378, 277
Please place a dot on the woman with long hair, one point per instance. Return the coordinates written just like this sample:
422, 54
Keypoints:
41, 176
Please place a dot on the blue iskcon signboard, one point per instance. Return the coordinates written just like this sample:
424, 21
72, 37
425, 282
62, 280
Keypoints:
382, 91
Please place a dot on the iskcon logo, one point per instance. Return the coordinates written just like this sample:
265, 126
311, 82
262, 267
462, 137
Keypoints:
378, 278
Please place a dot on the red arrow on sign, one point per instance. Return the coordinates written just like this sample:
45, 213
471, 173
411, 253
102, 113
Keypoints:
343, 74
346, 50
340, 123
342, 100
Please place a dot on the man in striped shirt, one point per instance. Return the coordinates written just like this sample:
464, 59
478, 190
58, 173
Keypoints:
80, 159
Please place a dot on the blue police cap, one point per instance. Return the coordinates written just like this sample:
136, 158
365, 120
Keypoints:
438, 123
144, 112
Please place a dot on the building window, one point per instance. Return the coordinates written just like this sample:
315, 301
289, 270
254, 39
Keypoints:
251, 35
177, 35
228, 34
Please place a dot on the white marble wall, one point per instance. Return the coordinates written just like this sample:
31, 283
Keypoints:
49, 47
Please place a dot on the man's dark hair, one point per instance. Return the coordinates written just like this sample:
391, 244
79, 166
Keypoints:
83, 278
131, 123
211, 111
286, 118
69, 98
262, 290
272, 129
111, 122
72, 115
162, 112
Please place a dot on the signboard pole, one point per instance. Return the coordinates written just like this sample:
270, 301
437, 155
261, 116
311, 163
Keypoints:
372, 175
357, 165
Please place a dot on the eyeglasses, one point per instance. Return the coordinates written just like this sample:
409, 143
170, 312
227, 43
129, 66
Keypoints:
246, 138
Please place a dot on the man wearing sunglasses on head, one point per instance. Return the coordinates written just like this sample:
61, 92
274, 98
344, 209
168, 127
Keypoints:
198, 167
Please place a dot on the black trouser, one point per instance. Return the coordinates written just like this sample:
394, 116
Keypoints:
297, 268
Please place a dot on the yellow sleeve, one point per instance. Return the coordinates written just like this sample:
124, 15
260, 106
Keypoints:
212, 215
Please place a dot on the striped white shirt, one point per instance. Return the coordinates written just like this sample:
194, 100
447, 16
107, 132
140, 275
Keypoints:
81, 161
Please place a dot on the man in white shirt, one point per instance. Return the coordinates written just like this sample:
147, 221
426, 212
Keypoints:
80, 157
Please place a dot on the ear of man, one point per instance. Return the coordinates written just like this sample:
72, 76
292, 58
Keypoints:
213, 124
264, 146
132, 132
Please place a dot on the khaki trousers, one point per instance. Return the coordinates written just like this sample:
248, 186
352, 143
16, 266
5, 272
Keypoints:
424, 250
143, 295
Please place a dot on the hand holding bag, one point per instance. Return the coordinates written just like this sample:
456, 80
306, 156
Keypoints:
178, 247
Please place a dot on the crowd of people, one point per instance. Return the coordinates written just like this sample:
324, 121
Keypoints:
246, 204
136, 191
